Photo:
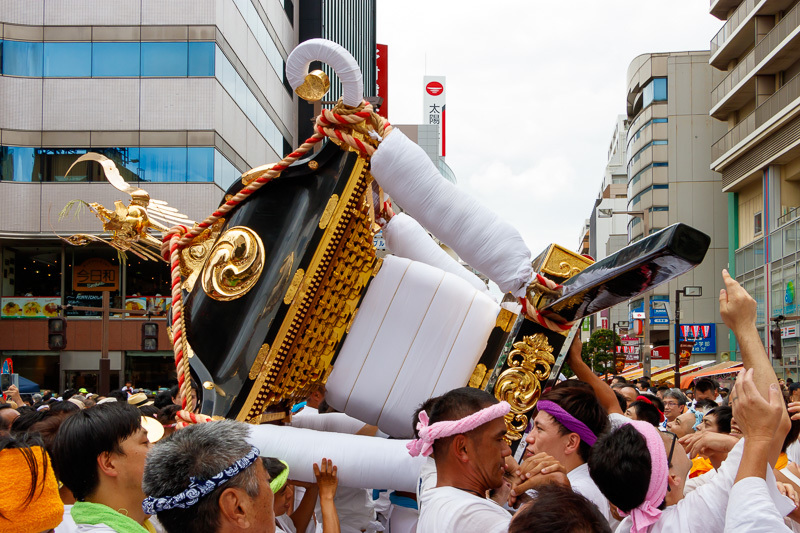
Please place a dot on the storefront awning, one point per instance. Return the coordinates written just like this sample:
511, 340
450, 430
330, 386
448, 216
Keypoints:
667, 375
725, 367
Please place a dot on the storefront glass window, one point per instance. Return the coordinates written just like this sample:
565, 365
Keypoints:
87, 270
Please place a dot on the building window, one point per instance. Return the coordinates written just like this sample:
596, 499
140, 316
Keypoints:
148, 164
655, 91
116, 59
65, 60
165, 59
22, 58
757, 227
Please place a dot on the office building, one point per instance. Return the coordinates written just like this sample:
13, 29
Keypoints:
669, 180
758, 155
183, 95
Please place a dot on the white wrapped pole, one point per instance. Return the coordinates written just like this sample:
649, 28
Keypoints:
406, 238
363, 462
336, 57
480, 237
331, 422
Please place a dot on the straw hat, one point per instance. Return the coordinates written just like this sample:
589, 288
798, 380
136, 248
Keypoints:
139, 399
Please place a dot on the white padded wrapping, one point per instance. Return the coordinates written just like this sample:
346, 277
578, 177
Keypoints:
362, 461
332, 422
480, 237
336, 57
406, 238
419, 330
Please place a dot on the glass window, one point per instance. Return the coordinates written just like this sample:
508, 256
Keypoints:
82, 263
37, 271
789, 239
115, 59
201, 59
68, 60
162, 164
165, 59
748, 259
224, 171
17, 164
655, 91
758, 251
200, 164
776, 248
22, 58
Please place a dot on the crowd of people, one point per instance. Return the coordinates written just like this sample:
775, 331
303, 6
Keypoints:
597, 457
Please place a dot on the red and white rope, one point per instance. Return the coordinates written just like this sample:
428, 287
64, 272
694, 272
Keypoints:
530, 309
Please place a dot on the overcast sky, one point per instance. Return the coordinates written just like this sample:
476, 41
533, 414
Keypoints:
533, 91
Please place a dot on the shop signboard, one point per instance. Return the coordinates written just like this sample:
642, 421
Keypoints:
686, 351
95, 274
704, 337
29, 307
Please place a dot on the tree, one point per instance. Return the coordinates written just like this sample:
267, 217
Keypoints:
602, 344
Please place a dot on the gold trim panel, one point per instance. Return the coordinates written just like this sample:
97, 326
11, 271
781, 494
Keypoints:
234, 264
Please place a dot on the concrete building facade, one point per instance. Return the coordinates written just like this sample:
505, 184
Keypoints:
757, 53
669, 180
183, 95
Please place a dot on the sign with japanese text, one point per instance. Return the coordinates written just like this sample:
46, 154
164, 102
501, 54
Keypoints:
658, 313
704, 337
95, 275
433, 102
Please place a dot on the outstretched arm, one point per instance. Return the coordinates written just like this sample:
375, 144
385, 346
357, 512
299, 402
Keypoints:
738, 311
327, 481
604, 394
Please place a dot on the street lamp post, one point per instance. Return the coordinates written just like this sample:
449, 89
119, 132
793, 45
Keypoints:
690, 291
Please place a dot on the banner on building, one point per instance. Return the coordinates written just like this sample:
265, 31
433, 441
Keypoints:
29, 307
704, 337
382, 64
433, 102
686, 351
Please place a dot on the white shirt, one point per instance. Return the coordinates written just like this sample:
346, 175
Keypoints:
703, 509
451, 510
582, 483
427, 479
751, 509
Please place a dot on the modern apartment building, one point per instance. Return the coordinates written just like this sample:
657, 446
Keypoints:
669, 180
758, 154
183, 95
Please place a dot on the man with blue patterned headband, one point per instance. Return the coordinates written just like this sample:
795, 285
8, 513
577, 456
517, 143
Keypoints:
206, 478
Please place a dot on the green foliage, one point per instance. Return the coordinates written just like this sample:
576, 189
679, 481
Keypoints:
602, 345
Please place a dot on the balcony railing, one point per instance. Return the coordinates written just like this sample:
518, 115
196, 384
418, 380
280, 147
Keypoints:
775, 103
765, 47
741, 13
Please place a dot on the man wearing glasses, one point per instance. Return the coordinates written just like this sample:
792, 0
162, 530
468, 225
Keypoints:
674, 406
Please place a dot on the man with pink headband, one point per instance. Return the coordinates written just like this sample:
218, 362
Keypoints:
464, 433
642, 471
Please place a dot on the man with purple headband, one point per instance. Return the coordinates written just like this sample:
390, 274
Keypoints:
642, 471
569, 420
465, 434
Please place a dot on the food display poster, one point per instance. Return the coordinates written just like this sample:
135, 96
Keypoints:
29, 307
157, 304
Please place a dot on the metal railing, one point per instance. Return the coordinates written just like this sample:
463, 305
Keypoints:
790, 215
741, 13
765, 47
774, 104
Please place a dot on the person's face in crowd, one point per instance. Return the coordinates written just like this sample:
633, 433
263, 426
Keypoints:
283, 500
690, 394
706, 395
682, 425
487, 452
709, 423
7, 417
262, 507
631, 413
545, 437
795, 396
130, 463
672, 408
629, 393
614, 381
679, 468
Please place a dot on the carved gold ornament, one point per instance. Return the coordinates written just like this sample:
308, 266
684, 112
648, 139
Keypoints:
234, 265
314, 87
521, 384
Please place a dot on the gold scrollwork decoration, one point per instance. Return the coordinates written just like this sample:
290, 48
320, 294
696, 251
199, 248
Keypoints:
234, 264
529, 364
